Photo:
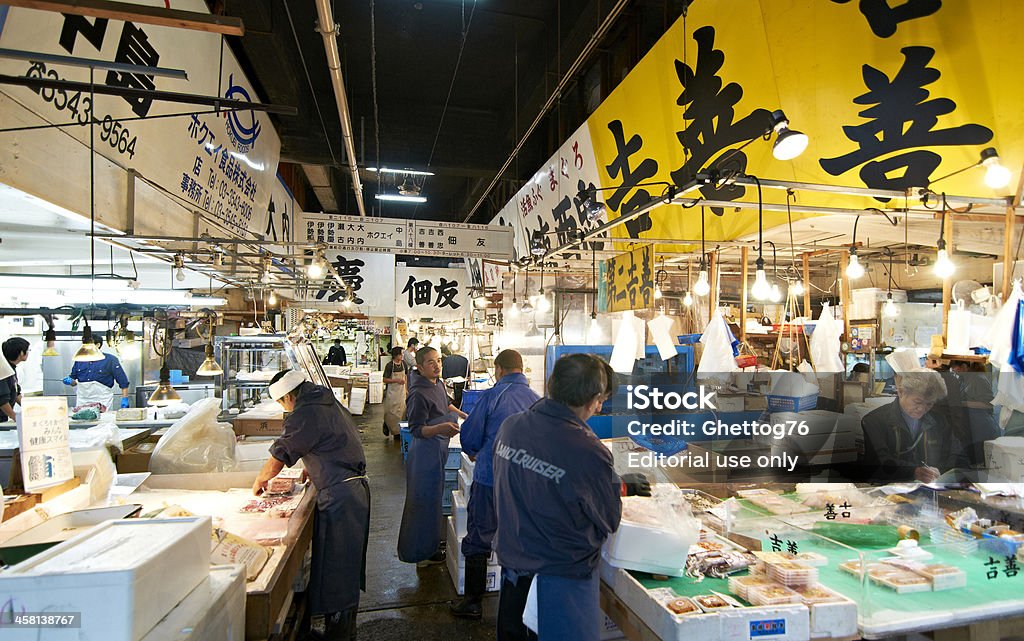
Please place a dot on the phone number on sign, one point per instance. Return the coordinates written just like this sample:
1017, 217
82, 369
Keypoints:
38, 620
80, 107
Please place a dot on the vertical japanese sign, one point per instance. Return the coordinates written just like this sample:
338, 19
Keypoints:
438, 294
224, 164
43, 442
627, 281
370, 277
893, 96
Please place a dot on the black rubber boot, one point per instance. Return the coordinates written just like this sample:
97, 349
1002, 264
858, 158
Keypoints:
476, 583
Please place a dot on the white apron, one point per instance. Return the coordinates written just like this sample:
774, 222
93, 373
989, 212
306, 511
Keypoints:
95, 392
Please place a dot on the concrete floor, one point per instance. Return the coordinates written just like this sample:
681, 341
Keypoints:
403, 602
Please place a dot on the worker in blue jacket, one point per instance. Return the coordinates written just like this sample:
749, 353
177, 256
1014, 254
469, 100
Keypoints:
557, 498
95, 380
510, 395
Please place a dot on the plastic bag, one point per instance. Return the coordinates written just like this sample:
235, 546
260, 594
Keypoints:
103, 435
825, 343
530, 617
196, 443
1016, 356
999, 339
718, 359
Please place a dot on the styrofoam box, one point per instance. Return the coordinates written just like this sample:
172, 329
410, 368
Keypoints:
1004, 456
648, 549
123, 576
468, 465
457, 563
733, 624
460, 514
214, 611
465, 483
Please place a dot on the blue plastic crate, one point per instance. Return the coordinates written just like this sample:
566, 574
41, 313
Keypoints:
406, 442
689, 339
792, 403
469, 399
454, 461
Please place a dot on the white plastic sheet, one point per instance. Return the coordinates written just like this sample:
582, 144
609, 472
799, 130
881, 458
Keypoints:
717, 361
660, 327
824, 344
196, 443
629, 341
999, 339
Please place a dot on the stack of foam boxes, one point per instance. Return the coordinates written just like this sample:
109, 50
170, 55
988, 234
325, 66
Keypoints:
457, 523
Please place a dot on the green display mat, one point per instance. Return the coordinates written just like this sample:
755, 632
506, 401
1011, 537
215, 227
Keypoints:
980, 592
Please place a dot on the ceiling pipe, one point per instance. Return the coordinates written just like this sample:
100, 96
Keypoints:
577, 64
329, 30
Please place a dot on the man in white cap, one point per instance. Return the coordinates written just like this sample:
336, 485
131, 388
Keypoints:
321, 432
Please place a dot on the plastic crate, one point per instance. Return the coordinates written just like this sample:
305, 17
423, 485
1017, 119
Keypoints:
689, 339
454, 461
469, 399
406, 442
451, 483
792, 403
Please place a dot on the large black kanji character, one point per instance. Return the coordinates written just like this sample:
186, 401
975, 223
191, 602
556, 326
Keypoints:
583, 192
709, 117
620, 166
565, 225
419, 292
883, 19
646, 277
447, 290
134, 48
349, 271
94, 32
271, 230
902, 117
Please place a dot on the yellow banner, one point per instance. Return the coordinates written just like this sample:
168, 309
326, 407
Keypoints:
891, 98
627, 281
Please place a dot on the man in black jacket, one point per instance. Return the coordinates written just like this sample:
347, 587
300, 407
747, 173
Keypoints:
905, 440
336, 355
322, 433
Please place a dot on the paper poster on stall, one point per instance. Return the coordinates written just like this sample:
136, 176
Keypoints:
627, 281
43, 442
438, 294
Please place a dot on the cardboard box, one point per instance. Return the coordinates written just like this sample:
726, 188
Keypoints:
136, 459
258, 426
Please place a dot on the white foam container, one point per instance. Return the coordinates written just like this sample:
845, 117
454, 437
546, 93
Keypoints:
457, 563
460, 514
468, 465
214, 611
647, 549
465, 483
123, 576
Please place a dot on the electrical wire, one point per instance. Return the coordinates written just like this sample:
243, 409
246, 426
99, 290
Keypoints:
455, 74
309, 81
373, 84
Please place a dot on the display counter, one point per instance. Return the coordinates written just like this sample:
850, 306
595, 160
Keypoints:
889, 563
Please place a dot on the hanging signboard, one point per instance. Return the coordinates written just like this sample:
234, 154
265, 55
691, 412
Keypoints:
395, 235
370, 277
430, 293
224, 164
43, 442
627, 281
492, 273
891, 98
554, 200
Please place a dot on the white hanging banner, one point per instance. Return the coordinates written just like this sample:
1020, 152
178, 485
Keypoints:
551, 201
225, 164
371, 277
431, 293
43, 442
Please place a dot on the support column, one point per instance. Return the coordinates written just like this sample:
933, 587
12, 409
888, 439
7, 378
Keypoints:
744, 256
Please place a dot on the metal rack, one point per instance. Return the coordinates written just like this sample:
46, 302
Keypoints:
247, 354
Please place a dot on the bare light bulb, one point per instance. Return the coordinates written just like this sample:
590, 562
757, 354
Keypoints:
315, 269
657, 292
944, 267
513, 312
996, 175
480, 301
543, 304
798, 287
179, 274
889, 309
594, 333
702, 287
776, 293
854, 269
688, 300
761, 290
272, 299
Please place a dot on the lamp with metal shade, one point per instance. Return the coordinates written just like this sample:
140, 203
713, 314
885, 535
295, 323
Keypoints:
210, 367
164, 394
88, 352
50, 337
